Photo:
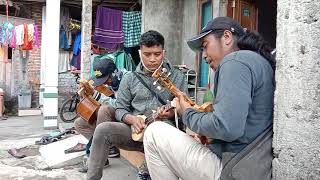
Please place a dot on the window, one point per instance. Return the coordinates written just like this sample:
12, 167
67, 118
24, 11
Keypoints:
205, 15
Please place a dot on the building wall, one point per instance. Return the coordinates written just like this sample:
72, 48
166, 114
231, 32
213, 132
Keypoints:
34, 63
66, 86
25, 72
189, 29
166, 17
297, 97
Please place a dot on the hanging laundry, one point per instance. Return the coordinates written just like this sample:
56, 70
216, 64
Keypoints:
108, 29
64, 22
63, 41
69, 35
79, 61
77, 44
1, 53
12, 43
27, 45
30, 32
122, 60
64, 57
6, 32
36, 36
19, 34
4, 54
75, 61
131, 26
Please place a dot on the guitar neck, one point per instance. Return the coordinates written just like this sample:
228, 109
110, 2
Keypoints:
152, 116
104, 90
175, 91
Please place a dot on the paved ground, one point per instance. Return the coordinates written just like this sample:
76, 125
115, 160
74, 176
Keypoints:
18, 132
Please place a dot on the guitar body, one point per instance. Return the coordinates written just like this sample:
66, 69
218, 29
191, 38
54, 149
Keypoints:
206, 107
138, 136
87, 109
165, 82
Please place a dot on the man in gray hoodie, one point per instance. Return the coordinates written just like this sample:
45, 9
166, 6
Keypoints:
243, 107
133, 99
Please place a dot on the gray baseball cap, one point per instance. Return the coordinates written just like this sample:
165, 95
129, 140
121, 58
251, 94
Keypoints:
219, 23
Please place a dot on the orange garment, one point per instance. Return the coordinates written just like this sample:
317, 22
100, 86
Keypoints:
27, 45
4, 54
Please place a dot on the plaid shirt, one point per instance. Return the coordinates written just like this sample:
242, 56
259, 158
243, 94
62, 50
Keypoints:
131, 27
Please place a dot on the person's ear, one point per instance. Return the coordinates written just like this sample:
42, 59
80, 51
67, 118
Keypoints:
139, 53
163, 52
227, 37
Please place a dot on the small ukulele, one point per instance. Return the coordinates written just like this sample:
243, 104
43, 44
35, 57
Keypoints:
149, 116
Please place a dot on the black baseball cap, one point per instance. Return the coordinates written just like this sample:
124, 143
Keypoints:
102, 68
219, 23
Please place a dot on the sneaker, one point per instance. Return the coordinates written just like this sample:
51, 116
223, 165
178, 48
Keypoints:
143, 173
143, 176
114, 152
84, 168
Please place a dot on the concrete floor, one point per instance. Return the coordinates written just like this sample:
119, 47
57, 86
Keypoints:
18, 132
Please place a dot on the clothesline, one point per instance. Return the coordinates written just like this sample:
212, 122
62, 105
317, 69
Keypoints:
24, 36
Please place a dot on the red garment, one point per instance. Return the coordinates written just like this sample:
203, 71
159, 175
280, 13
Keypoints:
27, 45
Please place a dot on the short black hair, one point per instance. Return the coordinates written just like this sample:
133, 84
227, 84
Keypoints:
152, 38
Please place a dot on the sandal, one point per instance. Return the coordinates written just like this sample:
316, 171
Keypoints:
15, 153
77, 148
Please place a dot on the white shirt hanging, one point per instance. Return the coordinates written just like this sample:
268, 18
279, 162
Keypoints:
19, 34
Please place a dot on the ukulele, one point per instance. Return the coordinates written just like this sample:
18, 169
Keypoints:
149, 116
161, 77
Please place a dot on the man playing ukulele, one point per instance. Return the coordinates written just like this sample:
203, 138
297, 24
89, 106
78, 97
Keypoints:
133, 99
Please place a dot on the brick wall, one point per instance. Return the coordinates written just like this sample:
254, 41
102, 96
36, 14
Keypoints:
34, 63
66, 86
66, 83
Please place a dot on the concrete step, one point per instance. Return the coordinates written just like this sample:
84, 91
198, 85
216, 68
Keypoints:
29, 112
135, 158
54, 156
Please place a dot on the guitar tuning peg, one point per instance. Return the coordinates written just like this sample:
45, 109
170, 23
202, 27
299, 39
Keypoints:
159, 88
169, 74
164, 70
155, 82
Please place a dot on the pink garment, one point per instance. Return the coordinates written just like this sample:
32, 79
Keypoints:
13, 39
36, 37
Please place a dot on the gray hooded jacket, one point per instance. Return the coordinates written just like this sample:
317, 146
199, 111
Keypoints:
134, 98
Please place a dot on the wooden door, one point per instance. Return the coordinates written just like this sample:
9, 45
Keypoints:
245, 12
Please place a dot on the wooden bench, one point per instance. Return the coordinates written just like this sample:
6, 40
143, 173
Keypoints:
135, 158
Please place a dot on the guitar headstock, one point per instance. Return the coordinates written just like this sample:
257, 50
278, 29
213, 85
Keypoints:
162, 77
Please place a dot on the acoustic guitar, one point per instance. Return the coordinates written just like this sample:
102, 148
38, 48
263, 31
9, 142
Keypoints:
161, 76
88, 107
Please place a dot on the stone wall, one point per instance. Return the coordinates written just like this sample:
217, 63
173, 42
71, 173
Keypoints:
297, 97
165, 17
